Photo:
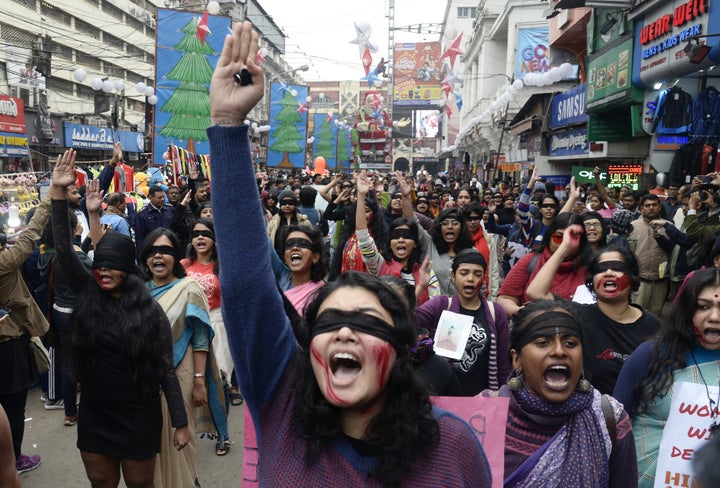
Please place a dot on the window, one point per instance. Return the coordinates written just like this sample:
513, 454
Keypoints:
31, 4
18, 37
87, 29
467, 12
114, 41
88, 61
112, 10
47, 10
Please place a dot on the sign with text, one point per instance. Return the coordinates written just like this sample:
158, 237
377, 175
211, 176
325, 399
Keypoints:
417, 73
568, 143
12, 115
687, 429
104, 138
568, 108
533, 54
583, 174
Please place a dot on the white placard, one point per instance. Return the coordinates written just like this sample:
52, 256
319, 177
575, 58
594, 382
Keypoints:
687, 430
452, 334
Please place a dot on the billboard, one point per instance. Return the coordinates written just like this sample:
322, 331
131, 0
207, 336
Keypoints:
532, 52
417, 73
185, 61
426, 124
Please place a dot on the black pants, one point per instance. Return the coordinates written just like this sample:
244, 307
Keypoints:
14, 406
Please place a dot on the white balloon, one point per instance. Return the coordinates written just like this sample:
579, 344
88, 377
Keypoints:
308, 98
119, 85
140, 87
96, 83
555, 74
518, 84
79, 75
293, 93
152, 99
321, 95
166, 155
546, 78
246, 122
213, 7
149, 91
107, 86
511, 90
254, 125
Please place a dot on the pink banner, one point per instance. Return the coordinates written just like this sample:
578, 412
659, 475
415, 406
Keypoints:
486, 416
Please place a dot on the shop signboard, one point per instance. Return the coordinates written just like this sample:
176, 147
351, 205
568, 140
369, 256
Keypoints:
568, 108
568, 143
609, 127
584, 174
417, 73
13, 144
103, 138
661, 35
12, 115
608, 82
625, 174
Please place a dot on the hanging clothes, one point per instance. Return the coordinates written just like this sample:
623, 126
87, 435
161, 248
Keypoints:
687, 162
673, 112
706, 113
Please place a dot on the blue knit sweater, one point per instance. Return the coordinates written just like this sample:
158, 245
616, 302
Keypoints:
263, 346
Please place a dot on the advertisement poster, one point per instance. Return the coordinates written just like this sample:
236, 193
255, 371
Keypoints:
287, 138
532, 52
326, 139
418, 73
608, 82
186, 55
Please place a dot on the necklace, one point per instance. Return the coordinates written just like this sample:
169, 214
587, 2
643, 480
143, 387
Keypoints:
715, 427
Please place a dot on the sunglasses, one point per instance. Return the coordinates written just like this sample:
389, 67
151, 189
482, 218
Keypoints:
592, 225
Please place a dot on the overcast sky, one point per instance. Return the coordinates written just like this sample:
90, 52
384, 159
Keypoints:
319, 31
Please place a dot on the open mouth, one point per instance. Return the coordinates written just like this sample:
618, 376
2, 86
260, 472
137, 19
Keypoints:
557, 377
344, 365
450, 236
295, 258
711, 335
469, 290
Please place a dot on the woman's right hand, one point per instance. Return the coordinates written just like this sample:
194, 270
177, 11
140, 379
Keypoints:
363, 184
181, 437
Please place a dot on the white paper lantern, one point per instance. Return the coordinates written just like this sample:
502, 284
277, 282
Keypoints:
96, 83
546, 78
555, 75
511, 90
140, 87
213, 7
119, 85
254, 125
321, 95
152, 99
107, 86
149, 91
566, 69
79, 75
246, 122
293, 93
518, 84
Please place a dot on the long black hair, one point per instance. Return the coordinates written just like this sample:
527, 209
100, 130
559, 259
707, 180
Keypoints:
192, 252
675, 340
318, 270
621, 247
405, 428
134, 318
464, 239
418, 253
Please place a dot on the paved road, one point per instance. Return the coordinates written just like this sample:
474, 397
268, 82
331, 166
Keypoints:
62, 467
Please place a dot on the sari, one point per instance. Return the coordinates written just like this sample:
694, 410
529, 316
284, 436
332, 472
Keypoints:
299, 295
186, 307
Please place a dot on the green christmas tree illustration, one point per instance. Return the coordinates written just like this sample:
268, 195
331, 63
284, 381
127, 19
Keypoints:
190, 102
343, 147
325, 140
287, 134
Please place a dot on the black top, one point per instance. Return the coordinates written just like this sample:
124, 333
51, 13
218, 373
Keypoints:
472, 369
608, 344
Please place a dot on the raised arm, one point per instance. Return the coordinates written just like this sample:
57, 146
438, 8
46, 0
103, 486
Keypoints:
573, 197
539, 287
93, 202
260, 337
325, 190
368, 248
601, 188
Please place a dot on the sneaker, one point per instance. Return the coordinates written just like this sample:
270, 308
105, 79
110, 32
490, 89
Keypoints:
27, 463
70, 421
54, 404
43, 398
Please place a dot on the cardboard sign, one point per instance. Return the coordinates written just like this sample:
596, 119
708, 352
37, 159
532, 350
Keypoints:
452, 334
687, 430
486, 416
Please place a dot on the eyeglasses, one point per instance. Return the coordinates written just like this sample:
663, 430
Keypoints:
593, 225
450, 223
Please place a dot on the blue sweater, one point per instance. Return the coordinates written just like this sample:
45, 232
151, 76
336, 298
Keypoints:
263, 346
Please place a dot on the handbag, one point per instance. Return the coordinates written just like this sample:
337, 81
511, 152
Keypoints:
40, 355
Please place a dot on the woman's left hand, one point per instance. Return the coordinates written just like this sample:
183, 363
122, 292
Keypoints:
571, 239
93, 196
181, 437
199, 393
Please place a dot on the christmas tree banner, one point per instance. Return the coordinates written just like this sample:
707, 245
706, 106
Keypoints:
325, 143
344, 149
186, 56
287, 139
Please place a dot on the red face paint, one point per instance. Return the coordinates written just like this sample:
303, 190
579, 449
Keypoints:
98, 279
329, 393
382, 353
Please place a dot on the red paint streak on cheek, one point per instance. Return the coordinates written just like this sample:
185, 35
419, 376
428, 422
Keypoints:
96, 275
698, 333
622, 282
382, 359
329, 393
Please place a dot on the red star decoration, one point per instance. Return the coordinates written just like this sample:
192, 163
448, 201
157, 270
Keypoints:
447, 89
448, 110
453, 51
302, 107
202, 28
366, 61
376, 102
330, 117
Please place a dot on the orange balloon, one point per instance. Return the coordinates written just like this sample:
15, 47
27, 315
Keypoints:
319, 165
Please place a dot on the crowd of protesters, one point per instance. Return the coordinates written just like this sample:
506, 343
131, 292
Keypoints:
589, 309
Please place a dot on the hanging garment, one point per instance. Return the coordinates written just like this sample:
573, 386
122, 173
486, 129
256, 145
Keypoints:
706, 113
673, 112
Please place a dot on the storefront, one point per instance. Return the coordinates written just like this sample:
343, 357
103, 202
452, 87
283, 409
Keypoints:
97, 143
14, 149
45, 137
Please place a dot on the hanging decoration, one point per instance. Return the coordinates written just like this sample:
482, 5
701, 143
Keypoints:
453, 51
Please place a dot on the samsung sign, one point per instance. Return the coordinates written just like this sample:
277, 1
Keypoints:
568, 108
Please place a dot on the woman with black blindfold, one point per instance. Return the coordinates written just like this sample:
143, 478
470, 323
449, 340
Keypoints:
121, 346
341, 405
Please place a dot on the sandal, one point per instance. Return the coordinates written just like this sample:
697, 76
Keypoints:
236, 398
222, 447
